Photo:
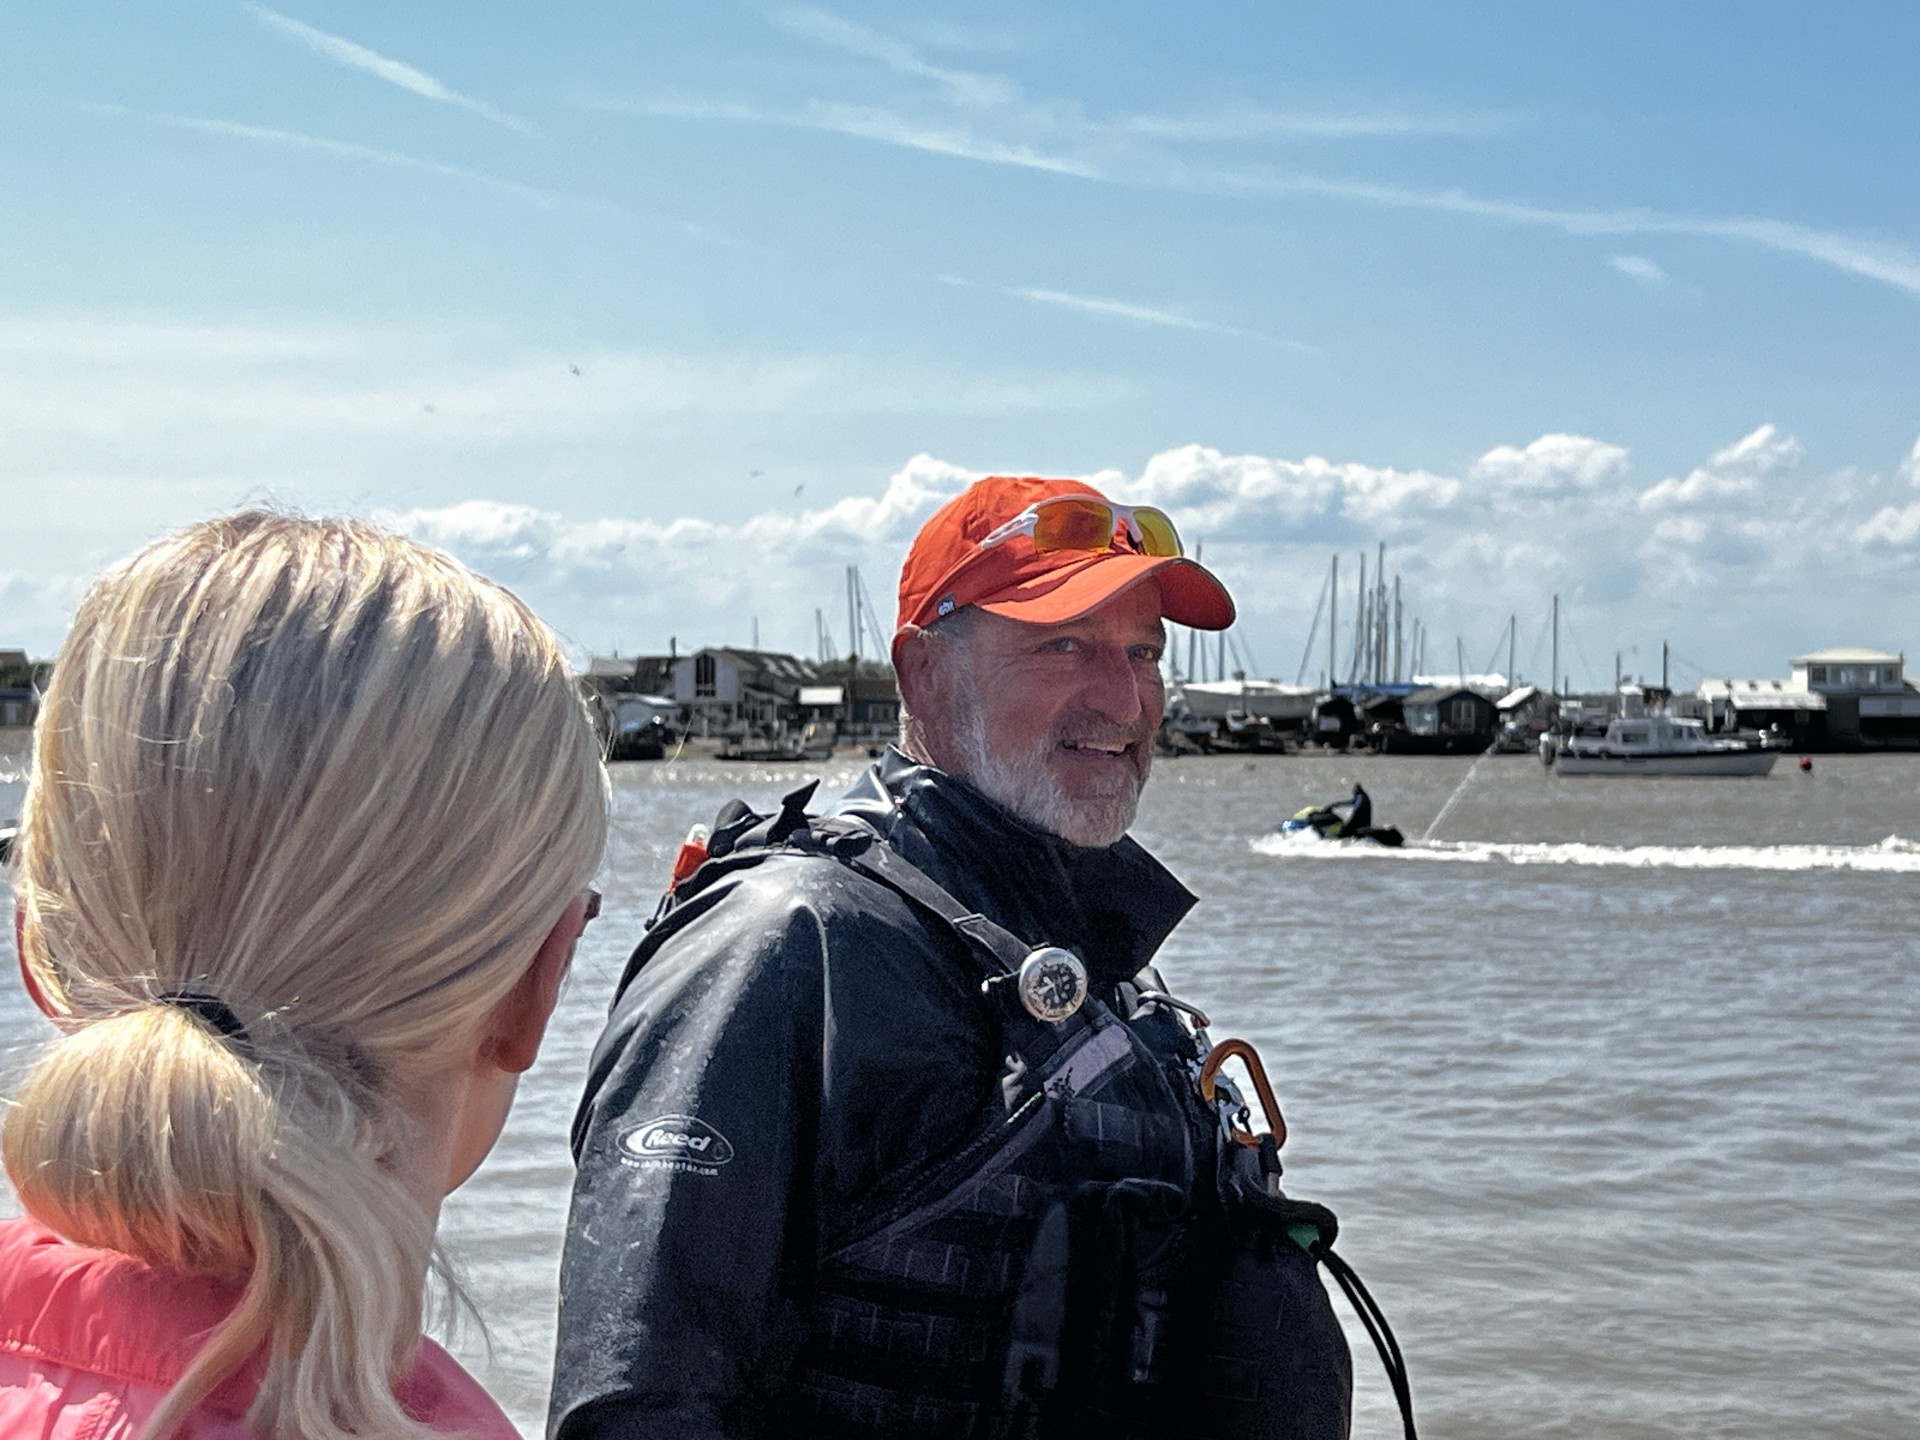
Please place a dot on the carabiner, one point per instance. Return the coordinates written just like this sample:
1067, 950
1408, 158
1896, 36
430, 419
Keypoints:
1210, 1069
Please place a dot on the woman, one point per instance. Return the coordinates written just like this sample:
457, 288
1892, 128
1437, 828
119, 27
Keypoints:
301, 865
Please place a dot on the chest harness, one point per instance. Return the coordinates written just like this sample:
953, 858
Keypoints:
1109, 1254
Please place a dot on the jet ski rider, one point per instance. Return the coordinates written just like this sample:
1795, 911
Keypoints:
798, 1211
1359, 812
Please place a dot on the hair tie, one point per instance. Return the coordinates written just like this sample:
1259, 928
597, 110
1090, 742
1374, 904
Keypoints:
212, 1009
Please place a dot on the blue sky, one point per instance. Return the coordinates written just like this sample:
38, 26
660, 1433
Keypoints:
1618, 304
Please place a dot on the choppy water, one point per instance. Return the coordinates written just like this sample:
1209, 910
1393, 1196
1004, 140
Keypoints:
1612, 1081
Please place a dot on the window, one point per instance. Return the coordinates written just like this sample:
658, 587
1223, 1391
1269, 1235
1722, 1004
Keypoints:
1817, 675
1461, 713
704, 687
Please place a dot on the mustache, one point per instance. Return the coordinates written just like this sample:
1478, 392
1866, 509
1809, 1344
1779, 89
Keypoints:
1072, 731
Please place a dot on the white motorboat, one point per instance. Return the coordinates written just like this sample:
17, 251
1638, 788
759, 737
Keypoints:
1651, 742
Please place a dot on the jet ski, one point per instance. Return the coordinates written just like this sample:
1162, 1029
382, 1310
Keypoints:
1350, 819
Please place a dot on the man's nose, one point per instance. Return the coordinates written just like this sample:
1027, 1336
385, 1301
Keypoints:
1112, 687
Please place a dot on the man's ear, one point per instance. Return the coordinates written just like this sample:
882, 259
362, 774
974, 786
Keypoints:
916, 656
923, 669
519, 1022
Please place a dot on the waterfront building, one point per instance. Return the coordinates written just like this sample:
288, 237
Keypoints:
18, 696
1838, 699
1444, 720
857, 698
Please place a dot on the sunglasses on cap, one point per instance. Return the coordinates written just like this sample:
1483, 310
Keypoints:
1086, 522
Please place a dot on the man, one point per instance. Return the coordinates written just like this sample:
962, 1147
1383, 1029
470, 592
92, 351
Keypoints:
852, 1162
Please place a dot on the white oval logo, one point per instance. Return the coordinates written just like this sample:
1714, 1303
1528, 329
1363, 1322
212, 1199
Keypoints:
678, 1137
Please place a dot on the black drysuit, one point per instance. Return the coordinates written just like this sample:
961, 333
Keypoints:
789, 1048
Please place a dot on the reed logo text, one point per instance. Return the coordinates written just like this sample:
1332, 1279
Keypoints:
676, 1142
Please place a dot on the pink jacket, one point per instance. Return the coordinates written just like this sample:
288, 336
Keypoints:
91, 1341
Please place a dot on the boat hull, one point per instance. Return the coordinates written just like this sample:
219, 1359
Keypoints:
1725, 762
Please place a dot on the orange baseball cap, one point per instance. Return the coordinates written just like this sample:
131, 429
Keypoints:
948, 568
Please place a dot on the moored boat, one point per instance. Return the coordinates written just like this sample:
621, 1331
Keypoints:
1640, 741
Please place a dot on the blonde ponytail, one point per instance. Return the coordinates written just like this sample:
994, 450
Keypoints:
306, 799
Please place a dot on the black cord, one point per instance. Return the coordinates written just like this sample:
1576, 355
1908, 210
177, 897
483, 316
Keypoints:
1378, 1330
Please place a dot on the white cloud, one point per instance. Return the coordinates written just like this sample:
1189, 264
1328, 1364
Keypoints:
253, 388
381, 67
661, 573
998, 127
1888, 264
1638, 267
1252, 122
1733, 472
1553, 463
570, 488
1146, 314
862, 122
1266, 524
1260, 497
342, 149
1228, 123
966, 87
1894, 525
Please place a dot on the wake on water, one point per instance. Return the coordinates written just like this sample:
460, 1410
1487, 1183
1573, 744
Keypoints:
1891, 855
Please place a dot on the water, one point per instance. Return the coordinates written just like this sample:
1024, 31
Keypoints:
1612, 1084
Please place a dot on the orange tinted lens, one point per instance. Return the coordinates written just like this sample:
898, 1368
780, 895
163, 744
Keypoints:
1073, 525
1157, 534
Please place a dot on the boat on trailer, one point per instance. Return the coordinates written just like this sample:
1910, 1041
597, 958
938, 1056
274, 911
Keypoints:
1639, 741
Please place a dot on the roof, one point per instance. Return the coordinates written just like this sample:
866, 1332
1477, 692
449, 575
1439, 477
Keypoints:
1244, 689
1434, 693
1514, 699
1844, 656
1761, 695
782, 666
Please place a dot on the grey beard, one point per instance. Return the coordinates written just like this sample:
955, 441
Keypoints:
1023, 784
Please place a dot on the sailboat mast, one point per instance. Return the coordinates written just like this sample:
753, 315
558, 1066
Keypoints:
853, 617
1333, 625
1360, 625
1399, 652
1553, 680
1380, 616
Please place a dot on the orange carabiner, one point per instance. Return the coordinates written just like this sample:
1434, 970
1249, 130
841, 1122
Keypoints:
1210, 1069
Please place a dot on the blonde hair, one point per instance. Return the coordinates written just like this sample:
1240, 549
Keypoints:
337, 781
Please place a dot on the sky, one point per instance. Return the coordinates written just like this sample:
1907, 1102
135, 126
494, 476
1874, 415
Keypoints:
665, 315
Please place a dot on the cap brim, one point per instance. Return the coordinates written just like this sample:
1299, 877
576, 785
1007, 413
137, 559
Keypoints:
1189, 594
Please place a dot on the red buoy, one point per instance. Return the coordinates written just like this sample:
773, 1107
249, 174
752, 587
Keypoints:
1806, 764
